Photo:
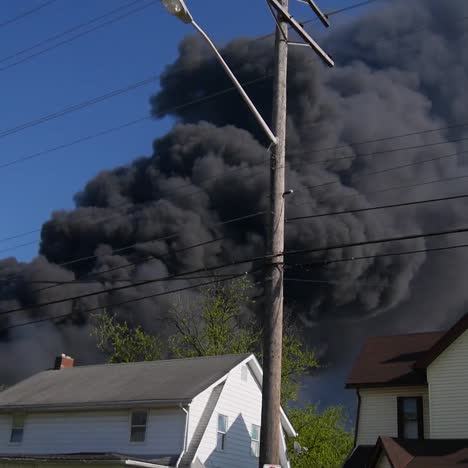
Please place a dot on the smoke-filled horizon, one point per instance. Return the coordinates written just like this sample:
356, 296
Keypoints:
400, 69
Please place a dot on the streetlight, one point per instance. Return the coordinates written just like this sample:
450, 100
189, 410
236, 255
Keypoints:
179, 9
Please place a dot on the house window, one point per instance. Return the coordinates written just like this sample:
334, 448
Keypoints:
222, 429
410, 418
17, 428
244, 373
138, 425
255, 441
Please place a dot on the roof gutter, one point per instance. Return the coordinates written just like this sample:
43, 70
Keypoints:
143, 464
95, 405
358, 415
184, 449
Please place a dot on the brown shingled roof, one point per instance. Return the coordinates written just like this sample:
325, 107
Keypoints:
429, 453
389, 360
445, 341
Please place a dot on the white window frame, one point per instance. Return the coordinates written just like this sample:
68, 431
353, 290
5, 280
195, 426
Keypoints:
255, 442
222, 433
17, 428
131, 426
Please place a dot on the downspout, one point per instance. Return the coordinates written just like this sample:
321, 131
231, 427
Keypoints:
358, 415
184, 449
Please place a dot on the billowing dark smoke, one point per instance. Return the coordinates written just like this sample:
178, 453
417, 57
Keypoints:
401, 69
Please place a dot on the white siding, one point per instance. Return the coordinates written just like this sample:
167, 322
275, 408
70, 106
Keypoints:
197, 407
104, 431
383, 462
379, 415
448, 391
241, 402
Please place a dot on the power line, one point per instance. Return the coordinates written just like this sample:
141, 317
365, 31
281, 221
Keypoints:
144, 118
323, 263
106, 96
400, 187
382, 171
129, 301
240, 262
242, 168
16, 236
68, 31
79, 106
147, 117
19, 246
66, 41
150, 258
305, 280
125, 124
383, 207
317, 264
377, 241
327, 14
375, 153
319, 215
348, 8
26, 13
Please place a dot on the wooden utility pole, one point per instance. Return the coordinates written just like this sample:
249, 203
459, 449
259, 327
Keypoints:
273, 321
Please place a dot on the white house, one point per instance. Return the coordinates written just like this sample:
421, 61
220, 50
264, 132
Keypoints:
200, 412
412, 395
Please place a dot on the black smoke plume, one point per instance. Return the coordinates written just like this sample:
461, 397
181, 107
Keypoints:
401, 69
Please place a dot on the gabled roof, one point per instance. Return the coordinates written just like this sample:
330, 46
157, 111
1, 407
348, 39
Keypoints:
428, 453
257, 371
155, 383
401, 359
443, 343
359, 457
389, 360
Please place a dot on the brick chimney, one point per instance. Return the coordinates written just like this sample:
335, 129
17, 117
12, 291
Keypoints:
63, 362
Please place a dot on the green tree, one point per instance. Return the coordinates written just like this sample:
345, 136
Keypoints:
123, 343
324, 436
218, 323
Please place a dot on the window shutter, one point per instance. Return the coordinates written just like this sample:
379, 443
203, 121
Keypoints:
420, 418
400, 418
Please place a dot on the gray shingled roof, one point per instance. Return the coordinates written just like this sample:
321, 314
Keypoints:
86, 458
156, 382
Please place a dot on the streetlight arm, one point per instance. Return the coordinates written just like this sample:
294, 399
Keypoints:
239, 87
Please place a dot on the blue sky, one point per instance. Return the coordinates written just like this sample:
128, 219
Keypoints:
129, 50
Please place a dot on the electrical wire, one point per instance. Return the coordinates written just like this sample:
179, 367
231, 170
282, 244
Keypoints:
387, 169
147, 117
107, 95
241, 262
142, 244
79, 106
317, 264
375, 241
26, 13
323, 263
129, 301
400, 187
67, 41
373, 208
67, 31
229, 172
374, 153
18, 246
